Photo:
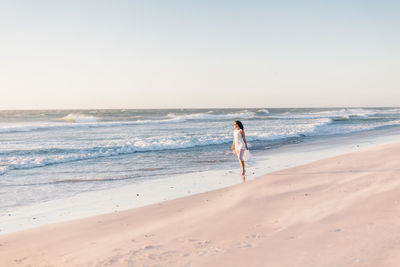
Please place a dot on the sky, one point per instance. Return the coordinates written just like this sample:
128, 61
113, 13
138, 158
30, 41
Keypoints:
198, 54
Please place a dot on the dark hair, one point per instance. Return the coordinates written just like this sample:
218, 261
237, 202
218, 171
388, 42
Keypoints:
240, 124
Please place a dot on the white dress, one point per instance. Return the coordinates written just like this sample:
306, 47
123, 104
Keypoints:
240, 147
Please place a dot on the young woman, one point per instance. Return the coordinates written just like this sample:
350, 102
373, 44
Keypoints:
239, 144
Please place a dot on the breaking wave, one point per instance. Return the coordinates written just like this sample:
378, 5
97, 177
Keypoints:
78, 118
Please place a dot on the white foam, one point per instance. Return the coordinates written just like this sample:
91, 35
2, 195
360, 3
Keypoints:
34, 126
12, 127
314, 127
266, 111
288, 130
74, 120
78, 118
342, 118
343, 129
305, 124
343, 113
35, 158
207, 116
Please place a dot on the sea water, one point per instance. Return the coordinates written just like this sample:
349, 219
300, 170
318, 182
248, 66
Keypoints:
53, 155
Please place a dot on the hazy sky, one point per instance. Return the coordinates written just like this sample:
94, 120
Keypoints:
198, 54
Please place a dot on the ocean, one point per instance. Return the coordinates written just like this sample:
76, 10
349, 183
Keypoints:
47, 155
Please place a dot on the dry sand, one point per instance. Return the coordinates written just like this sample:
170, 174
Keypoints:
341, 211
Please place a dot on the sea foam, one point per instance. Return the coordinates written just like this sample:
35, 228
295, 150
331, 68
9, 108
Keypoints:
78, 118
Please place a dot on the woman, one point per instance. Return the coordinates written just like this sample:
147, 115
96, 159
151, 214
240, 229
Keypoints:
239, 144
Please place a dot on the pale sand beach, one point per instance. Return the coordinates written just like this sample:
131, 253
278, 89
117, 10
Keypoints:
340, 211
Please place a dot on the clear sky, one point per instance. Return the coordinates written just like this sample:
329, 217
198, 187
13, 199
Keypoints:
198, 54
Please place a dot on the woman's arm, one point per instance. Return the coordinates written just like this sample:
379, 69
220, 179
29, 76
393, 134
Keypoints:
244, 138
233, 145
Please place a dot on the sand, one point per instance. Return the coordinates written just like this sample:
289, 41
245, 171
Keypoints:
340, 211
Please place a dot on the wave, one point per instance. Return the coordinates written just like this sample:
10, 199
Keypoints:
34, 160
386, 112
288, 131
342, 118
74, 120
39, 126
342, 114
18, 128
353, 128
42, 157
78, 118
359, 113
208, 116
14, 160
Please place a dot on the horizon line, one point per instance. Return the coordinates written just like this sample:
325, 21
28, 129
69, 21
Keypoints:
186, 108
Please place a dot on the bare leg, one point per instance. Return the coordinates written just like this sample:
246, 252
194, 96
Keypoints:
242, 165
240, 154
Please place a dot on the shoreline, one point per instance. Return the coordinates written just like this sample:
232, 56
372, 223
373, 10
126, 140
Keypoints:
149, 192
338, 211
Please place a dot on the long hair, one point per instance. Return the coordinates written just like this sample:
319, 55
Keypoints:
240, 124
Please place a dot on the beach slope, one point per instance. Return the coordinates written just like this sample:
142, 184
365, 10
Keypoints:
340, 211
